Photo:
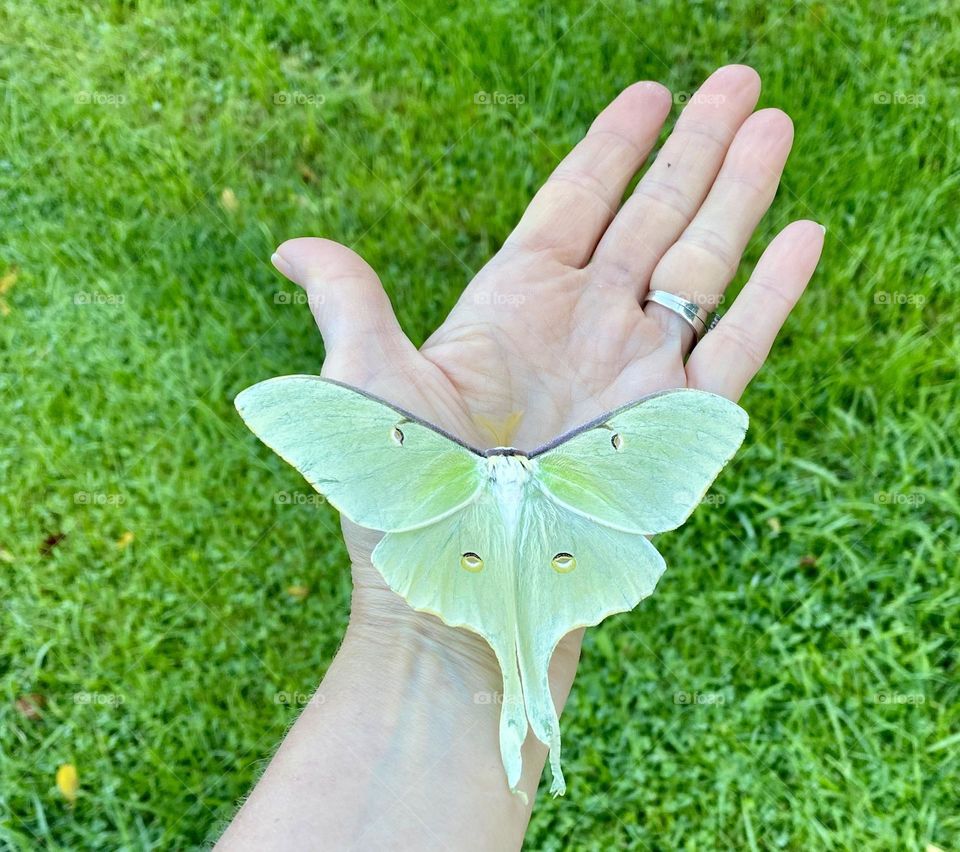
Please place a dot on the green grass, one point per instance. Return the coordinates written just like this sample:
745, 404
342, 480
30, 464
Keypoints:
823, 582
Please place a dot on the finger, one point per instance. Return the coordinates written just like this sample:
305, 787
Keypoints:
575, 205
708, 252
360, 332
699, 266
730, 355
670, 193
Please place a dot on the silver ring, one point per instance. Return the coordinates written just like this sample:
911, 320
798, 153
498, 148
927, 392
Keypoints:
696, 317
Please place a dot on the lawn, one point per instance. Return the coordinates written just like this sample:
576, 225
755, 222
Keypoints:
163, 577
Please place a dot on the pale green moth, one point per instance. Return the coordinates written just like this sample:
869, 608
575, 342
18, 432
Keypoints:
519, 547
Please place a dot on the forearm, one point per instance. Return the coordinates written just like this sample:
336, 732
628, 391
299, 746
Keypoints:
399, 749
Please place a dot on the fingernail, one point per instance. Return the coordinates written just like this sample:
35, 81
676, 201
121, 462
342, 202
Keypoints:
281, 265
823, 228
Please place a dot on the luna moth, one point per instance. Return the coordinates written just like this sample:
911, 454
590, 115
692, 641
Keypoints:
519, 547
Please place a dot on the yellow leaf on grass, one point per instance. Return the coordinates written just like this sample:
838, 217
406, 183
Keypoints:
125, 540
7, 280
229, 200
298, 592
68, 782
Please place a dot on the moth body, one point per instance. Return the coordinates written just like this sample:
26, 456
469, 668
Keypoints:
509, 478
521, 548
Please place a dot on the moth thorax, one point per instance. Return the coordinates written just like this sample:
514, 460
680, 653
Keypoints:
509, 472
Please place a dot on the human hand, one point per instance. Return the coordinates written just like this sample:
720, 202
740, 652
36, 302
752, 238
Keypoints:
551, 332
548, 335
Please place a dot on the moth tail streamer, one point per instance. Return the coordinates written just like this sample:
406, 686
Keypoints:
541, 711
558, 786
513, 722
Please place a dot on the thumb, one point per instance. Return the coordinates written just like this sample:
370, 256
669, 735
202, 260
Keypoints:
346, 298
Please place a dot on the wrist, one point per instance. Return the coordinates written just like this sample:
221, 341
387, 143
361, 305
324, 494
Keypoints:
384, 628
383, 623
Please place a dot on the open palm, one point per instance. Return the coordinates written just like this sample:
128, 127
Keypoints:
551, 332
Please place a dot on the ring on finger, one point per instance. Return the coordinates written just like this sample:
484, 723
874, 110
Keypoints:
697, 317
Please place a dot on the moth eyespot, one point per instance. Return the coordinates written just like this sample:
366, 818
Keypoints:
397, 436
617, 441
471, 562
563, 563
